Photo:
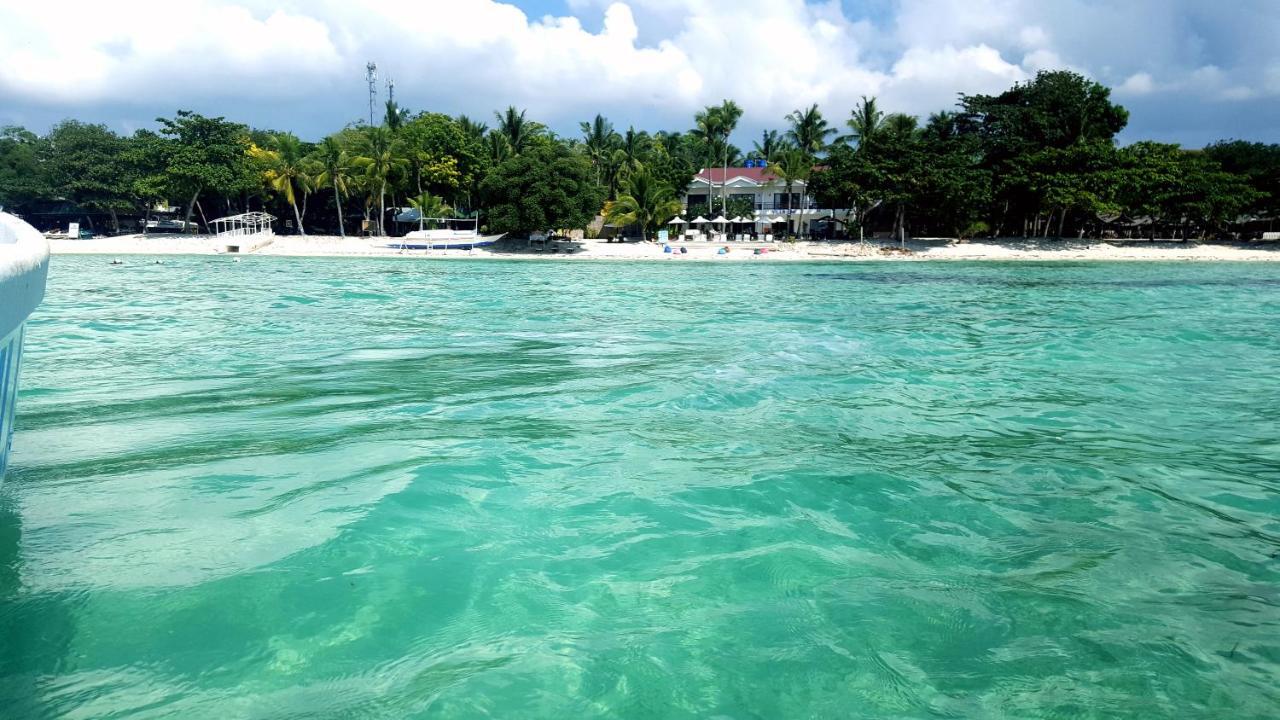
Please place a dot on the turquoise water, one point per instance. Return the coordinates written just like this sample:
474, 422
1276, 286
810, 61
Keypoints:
383, 489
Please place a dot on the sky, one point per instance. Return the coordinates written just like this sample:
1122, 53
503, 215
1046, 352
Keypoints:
1190, 71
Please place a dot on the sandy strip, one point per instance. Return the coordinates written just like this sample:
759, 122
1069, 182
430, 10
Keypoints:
1016, 249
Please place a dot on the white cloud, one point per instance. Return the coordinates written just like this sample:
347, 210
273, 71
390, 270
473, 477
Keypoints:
651, 61
1137, 84
93, 51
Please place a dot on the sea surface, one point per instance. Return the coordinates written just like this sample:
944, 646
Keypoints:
326, 488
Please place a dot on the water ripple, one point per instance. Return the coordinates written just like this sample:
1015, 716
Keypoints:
377, 489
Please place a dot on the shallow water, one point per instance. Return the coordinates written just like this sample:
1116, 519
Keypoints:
289, 488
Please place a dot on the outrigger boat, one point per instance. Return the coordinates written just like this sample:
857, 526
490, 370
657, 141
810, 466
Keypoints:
454, 236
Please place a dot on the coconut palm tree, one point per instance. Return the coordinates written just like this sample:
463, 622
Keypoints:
809, 130
516, 129
708, 127
379, 160
335, 171
646, 202
283, 169
864, 123
394, 116
900, 125
429, 206
598, 138
769, 145
497, 147
473, 129
792, 166
714, 124
730, 114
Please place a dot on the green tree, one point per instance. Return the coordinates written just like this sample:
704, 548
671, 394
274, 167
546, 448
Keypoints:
1022, 130
545, 188
1256, 162
146, 154
1175, 187
430, 208
473, 129
205, 153
792, 166
768, 147
644, 201
21, 179
283, 168
517, 130
378, 160
599, 140
87, 165
714, 124
441, 157
809, 130
335, 170
864, 123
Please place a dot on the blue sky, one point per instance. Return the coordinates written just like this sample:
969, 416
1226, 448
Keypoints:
1190, 71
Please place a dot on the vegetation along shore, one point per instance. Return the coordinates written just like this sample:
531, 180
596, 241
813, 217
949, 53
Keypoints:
1038, 161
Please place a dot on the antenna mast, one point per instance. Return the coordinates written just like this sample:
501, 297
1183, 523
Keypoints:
371, 75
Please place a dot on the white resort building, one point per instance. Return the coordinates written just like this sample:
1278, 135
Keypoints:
767, 198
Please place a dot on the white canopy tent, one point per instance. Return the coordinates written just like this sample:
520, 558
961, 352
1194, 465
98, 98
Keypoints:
250, 223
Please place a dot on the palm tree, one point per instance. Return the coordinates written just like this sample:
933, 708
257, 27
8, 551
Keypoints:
714, 124
598, 137
730, 114
792, 166
283, 169
379, 160
900, 125
864, 123
335, 170
473, 129
708, 127
497, 146
429, 206
516, 129
769, 145
394, 116
646, 202
809, 130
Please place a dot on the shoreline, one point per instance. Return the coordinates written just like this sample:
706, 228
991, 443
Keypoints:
874, 251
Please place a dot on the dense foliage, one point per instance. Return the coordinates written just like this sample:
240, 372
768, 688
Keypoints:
1039, 159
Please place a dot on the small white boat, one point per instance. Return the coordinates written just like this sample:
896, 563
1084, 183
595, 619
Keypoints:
24, 265
456, 235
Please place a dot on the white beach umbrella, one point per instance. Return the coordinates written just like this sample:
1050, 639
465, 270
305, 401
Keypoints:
677, 220
720, 219
700, 220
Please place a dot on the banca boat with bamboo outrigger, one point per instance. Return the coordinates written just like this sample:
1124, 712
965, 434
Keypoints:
457, 234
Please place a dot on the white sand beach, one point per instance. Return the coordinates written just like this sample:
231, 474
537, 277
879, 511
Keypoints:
917, 250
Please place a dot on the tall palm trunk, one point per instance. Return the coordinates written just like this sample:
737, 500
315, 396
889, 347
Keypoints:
298, 217
789, 208
800, 227
190, 207
337, 201
382, 209
724, 180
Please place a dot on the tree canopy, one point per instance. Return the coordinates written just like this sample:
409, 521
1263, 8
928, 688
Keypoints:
1039, 159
